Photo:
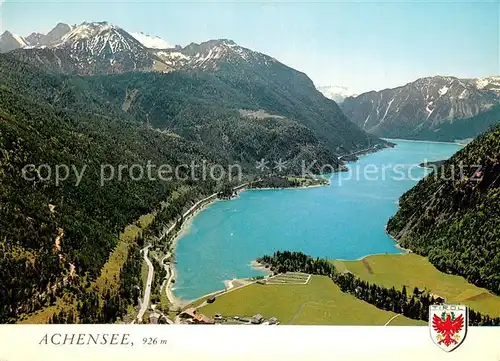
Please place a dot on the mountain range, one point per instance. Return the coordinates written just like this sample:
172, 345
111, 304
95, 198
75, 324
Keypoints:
440, 108
10, 41
435, 108
246, 77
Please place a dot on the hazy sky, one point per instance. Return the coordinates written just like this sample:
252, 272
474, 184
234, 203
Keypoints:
361, 45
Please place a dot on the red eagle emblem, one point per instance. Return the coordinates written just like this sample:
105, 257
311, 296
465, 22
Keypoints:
448, 327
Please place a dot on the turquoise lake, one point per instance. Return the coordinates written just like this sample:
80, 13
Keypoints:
344, 220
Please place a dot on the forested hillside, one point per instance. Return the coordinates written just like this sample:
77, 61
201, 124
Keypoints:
453, 217
49, 232
204, 109
58, 236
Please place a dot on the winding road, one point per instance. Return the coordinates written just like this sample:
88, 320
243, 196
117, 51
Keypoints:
169, 277
147, 291
144, 303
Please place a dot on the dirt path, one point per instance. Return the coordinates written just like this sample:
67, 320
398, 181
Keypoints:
232, 287
367, 266
299, 311
393, 317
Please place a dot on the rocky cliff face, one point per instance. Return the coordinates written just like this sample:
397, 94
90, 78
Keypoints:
423, 106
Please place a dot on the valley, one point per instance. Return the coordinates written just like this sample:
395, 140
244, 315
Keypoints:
250, 158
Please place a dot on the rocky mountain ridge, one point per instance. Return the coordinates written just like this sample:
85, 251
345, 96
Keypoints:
422, 107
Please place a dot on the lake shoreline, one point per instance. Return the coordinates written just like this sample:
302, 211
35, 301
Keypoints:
422, 141
260, 267
186, 224
285, 188
255, 266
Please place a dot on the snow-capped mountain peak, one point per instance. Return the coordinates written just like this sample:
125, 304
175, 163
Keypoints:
99, 39
10, 41
151, 42
491, 83
87, 30
20, 40
210, 55
335, 92
94, 47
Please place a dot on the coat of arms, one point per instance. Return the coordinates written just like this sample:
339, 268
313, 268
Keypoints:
448, 325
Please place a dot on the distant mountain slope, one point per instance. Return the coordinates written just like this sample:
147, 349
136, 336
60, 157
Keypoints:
454, 219
421, 108
55, 35
204, 109
10, 41
491, 83
35, 39
92, 48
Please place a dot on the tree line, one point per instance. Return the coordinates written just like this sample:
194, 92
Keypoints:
92, 308
414, 306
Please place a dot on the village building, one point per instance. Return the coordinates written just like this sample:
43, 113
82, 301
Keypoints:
191, 315
437, 298
154, 318
273, 321
257, 319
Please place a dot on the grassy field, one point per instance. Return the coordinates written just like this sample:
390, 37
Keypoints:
320, 302
416, 271
110, 273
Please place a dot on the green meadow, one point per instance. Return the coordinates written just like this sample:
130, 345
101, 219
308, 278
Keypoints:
413, 271
320, 302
